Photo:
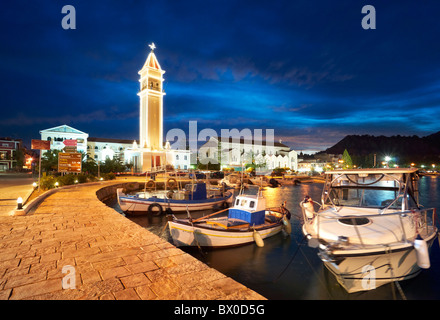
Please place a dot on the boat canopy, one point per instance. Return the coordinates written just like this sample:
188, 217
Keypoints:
375, 188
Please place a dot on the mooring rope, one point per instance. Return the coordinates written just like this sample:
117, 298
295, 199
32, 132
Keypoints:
399, 288
291, 259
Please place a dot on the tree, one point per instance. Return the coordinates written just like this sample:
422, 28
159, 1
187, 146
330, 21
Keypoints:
348, 163
49, 161
18, 156
112, 165
89, 165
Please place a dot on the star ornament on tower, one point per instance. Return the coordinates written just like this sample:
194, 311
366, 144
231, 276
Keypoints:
152, 46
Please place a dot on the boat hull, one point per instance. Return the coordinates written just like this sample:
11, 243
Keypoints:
362, 271
136, 205
133, 205
187, 235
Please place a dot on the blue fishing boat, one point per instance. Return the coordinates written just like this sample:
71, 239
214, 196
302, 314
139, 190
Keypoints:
194, 196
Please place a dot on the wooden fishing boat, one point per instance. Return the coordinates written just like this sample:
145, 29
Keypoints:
370, 229
194, 196
247, 221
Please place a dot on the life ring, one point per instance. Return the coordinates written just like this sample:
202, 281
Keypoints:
171, 183
155, 213
150, 184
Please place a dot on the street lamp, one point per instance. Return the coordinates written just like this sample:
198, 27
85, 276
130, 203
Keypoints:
20, 203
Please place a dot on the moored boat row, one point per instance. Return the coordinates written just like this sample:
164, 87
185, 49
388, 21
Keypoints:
369, 228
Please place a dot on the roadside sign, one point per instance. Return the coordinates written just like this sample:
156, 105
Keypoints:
70, 149
40, 144
70, 142
69, 162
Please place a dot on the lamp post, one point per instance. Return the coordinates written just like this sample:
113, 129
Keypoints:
20, 203
387, 160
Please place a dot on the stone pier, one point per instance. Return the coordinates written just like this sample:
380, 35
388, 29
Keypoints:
102, 254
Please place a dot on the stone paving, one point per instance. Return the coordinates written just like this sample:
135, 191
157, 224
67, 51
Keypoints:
112, 257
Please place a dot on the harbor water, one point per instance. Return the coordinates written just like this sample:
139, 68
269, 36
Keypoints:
286, 268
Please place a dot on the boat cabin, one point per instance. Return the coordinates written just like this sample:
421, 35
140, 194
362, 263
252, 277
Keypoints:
384, 189
249, 207
196, 191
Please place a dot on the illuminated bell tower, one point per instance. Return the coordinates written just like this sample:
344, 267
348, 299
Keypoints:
151, 104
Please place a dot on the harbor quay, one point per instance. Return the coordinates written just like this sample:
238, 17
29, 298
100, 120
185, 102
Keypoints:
69, 245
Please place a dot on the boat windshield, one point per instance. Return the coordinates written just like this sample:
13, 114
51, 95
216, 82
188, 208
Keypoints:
369, 190
365, 197
250, 190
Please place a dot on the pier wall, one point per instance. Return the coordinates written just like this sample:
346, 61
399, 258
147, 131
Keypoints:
72, 246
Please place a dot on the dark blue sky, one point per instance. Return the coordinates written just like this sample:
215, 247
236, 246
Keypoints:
304, 68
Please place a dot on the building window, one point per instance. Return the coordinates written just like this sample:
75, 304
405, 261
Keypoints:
177, 157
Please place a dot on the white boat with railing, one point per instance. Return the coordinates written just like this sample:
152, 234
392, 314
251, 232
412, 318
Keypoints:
370, 228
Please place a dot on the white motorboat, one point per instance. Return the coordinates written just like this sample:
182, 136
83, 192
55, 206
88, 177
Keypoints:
370, 228
193, 197
246, 222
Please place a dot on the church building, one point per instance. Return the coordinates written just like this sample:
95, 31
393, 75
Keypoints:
149, 153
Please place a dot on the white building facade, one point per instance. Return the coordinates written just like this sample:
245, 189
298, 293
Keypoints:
236, 153
57, 136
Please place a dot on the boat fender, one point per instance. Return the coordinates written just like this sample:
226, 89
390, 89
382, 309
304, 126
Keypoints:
312, 242
154, 212
308, 206
422, 253
258, 240
285, 211
287, 225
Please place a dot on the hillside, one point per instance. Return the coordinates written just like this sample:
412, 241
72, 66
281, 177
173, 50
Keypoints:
403, 149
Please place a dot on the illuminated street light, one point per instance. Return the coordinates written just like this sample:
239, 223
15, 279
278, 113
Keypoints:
20, 203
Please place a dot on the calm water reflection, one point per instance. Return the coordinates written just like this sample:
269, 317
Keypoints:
276, 273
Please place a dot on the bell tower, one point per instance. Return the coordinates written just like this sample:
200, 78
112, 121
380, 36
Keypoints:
151, 103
